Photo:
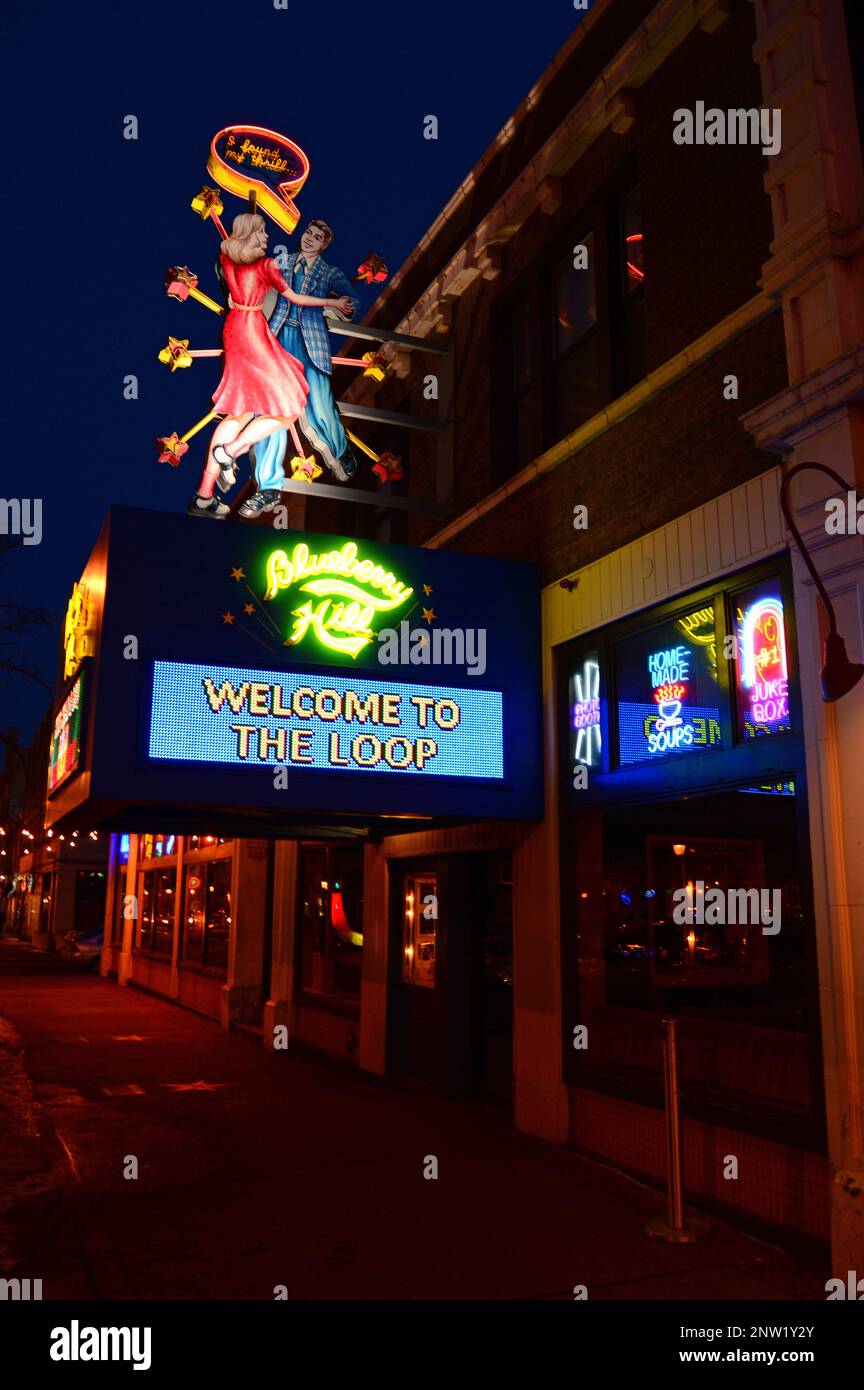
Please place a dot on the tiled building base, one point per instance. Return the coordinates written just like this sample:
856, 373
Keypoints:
326, 1031
776, 1184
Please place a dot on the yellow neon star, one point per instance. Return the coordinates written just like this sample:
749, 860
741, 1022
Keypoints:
428, 614
238, 573
427, 589
228, 618
249, 608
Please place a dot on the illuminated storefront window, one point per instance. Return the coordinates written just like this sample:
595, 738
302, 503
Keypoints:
157, 911
207, 913
331, 920
419, 935
684, 882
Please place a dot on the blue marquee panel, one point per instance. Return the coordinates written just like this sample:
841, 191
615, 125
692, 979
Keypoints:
204, 714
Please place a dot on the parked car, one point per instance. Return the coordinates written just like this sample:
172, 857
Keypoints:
83, 948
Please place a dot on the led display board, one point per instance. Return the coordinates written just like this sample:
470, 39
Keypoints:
378, 680
66, 736
221, 715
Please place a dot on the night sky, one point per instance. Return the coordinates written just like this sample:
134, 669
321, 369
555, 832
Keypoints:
93, 219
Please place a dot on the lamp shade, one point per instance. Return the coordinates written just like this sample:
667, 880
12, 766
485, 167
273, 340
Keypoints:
839, 674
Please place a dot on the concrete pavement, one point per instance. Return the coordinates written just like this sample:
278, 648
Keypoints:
258, 1169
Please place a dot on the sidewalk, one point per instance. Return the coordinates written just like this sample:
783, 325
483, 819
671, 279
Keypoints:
259, 1169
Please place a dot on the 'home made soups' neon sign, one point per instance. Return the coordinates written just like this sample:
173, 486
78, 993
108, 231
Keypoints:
669, 671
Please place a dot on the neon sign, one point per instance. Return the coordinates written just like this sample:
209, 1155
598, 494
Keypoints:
66, 738
351, 593
77, 642
247, 158
669, 670
217, 714
586, 714
764, 671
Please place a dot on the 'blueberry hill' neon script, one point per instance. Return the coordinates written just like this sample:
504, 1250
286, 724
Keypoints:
351, 592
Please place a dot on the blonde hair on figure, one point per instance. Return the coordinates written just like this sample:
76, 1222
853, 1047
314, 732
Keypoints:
238, 246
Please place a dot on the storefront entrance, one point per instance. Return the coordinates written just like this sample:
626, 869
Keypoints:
451, 978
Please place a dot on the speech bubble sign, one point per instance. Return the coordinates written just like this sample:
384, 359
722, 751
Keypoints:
244, 158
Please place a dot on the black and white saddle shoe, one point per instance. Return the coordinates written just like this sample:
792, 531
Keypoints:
345, 467
259, 503
207, 506
227, 468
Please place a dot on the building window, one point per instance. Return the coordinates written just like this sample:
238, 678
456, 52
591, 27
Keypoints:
331, 920
207, 913
523, 369
661, 952
629, 353
419, 931
45, 896
575, 341
575, 296
157, 911
687, 850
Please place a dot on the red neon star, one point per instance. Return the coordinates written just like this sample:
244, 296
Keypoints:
171, 449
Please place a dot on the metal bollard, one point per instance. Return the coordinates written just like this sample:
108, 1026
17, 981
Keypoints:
675, 1228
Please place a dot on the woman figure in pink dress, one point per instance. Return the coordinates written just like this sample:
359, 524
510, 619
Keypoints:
263, 388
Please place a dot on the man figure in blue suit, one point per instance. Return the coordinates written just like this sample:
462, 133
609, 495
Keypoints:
303, 333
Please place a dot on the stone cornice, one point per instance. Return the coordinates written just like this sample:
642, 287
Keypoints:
789, 418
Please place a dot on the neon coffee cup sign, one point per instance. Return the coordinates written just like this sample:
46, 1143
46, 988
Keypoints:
669, 670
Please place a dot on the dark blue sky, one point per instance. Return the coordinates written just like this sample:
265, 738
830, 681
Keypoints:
93, 220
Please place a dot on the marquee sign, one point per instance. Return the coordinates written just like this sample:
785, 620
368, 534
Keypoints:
65, 751
287, 678
213, 714
77, 640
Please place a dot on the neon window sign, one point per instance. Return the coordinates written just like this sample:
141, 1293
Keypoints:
351, 593
670, 671
585, 733
666, 678
763, 666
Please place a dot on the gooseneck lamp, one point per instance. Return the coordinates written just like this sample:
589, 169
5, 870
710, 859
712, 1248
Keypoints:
839, 674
